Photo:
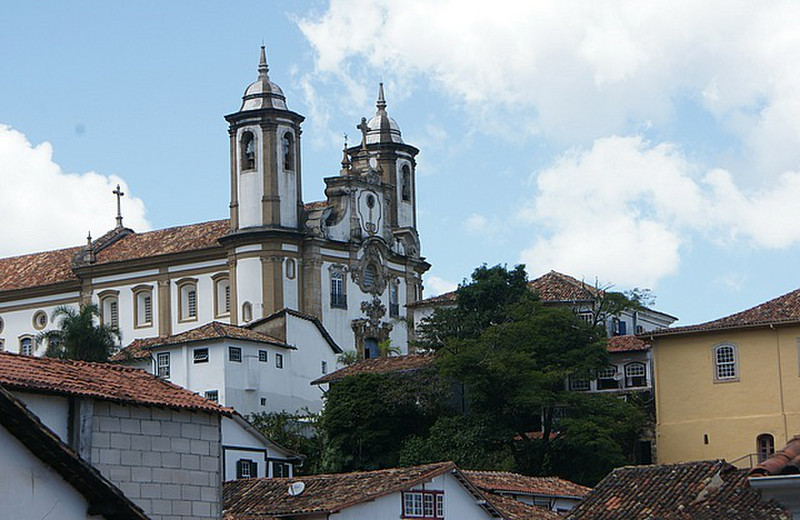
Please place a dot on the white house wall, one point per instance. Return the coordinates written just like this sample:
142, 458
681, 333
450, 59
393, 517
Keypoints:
17, 319
32, 489
52, 410
238, 443
312, 350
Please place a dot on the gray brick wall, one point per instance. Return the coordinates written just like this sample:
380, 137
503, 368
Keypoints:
166, 461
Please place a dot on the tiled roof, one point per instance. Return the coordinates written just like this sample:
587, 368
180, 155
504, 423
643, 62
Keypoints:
499, 481
104, 498
784, 462
250, 499
140, 348
626, 343
98, 380
379, 365
783, 309
442, 299
557, 287
37, 269
53, 267
513, 509
319, 204
708, 490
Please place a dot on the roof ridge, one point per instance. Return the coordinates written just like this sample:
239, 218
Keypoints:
74, 362
430, 466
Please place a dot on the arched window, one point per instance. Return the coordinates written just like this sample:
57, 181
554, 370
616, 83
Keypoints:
725, 368
765, 446
109, 308
371, 349
288, 152
635, 375
394, 305
247, 312
26, 346
405, 183
370, 274
222, 296
247, 146
187, 300
143, 306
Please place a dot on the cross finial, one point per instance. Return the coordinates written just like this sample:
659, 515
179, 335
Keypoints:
364, 128
118, 192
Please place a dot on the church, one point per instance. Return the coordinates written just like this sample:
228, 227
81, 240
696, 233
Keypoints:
349, 263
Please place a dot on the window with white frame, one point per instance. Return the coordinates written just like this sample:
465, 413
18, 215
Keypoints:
26, 346
725, 368
187, 291
338, 294
246, 468
212, 395
423, 504
608, 378
109, 309
222, 296
635, 375
162, 365
143, 303
200, 355
578, 384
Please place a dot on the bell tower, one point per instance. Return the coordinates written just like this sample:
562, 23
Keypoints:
265, 158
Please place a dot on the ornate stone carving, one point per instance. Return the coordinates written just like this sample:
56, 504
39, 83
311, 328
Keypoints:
371, 326
371, 272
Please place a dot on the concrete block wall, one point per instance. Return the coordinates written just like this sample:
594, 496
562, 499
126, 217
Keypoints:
166, 461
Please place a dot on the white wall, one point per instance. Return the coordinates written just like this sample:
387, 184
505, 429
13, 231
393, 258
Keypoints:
248, 285
31, 489
287, 180
19, 322
251, 182
52, 410
238, 443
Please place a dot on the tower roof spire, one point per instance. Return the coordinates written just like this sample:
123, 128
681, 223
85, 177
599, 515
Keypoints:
263, 68
381, 104
263, 93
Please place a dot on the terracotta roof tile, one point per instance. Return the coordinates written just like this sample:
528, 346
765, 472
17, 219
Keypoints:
379, 365
140, 348
784, 462
98, 380
37, 269
498, 481
556, 287
310, 206
246, 499
626, 343
708, 490
513, 509
783, 309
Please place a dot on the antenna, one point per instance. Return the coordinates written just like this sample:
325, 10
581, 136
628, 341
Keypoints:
295, 488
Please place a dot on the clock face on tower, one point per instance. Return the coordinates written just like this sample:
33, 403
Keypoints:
369, 212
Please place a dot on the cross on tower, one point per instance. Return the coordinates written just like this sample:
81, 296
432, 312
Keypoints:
363, 127
118, 192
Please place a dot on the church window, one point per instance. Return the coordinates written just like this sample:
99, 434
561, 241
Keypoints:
222, 296
143, 306
290, 268
162, 365
200, 355
371, 348
405, 183
187, 291
26, 346
635, 375
608, 378
235, 354
212, 395
725, 366
765, 446
394, 306
338, 294
39, 320
248, 148
288, 152
109, 308
247, 312
370, 274
279, 360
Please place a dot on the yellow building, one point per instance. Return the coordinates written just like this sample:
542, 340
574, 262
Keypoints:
729, 388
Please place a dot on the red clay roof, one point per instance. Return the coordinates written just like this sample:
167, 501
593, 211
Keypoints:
513, 509
140, 348
250, 499
98, 380
708, 490
37, 269
784, 462
379, 365
319, 204
626, 343
783, 309
504, 481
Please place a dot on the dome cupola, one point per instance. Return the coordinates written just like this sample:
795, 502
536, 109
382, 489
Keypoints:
263, 93
382, 128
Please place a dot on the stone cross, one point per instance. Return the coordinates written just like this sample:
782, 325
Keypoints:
364, 128
118, 192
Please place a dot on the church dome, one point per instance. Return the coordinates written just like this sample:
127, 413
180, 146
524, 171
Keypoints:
382, 128
263, 93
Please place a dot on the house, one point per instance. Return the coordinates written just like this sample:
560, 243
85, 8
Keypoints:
729, 388
552, 493
163, 446
380, 365
352, 261
41, 476
706, 490
244, 368
778, 477
432, 491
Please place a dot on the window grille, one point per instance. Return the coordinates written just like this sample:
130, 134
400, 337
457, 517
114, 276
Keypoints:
635, 375
725, 357
607, 378
423, 504
212, 395
26, 347
338, 297
235, 354
191, 297
162, 365
148, 309
113, 313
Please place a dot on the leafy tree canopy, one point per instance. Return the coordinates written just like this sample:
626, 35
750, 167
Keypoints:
80, 335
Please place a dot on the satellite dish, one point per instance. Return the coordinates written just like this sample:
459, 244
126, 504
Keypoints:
295, 488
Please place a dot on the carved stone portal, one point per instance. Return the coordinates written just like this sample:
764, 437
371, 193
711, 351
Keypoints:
370, 327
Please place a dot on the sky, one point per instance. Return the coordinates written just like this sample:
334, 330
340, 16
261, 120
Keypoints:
629, 144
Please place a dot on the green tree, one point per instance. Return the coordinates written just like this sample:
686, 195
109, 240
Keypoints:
80, 335
296, 432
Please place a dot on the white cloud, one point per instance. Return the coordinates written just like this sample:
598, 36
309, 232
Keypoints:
624, 209
476, 224
42, 207
577, 70
434, 286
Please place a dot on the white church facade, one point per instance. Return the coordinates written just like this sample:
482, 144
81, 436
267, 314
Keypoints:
352, 260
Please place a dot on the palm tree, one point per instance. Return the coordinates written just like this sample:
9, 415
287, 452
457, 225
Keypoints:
81, 334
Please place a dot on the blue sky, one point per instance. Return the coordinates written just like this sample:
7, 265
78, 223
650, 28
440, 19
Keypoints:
643, 145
